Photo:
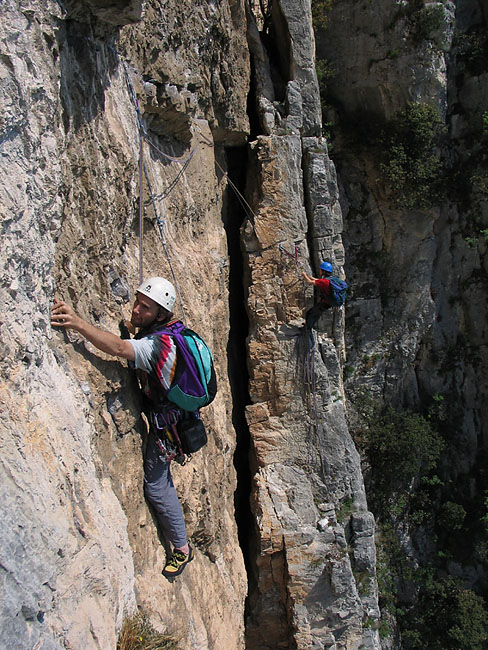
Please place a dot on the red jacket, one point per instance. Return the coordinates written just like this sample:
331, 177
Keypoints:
323, 285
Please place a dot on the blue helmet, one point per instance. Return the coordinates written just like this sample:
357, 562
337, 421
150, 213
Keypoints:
326, 266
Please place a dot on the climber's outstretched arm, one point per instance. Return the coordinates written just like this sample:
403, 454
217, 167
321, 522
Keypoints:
62, 315
308, 278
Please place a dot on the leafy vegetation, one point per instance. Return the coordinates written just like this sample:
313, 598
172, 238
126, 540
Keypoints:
430, 608
320, 13
325, 71
426, 23
484, 518
472, 51
473, 242
401, 446
137, 633
411, 160
447, 617
345, 510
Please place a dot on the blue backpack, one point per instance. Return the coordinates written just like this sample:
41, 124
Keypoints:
194, 384
338, 291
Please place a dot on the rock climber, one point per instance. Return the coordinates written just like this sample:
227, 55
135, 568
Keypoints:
154, 357
323, 285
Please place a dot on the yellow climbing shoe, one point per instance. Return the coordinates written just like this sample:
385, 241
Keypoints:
177, 562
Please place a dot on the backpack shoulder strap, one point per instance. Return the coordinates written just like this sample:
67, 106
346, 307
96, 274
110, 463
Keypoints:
174, 327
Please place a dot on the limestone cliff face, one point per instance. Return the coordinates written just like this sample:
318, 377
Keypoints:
416, 326
307, 468
417, 317
307, 465
79, 549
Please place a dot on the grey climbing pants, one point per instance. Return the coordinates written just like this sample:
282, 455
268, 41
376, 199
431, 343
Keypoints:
161, 493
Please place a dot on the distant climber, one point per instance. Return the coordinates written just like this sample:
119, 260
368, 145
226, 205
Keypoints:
331, 293
154, 357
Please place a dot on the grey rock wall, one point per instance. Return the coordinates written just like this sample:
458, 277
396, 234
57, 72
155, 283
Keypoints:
79, 550
314, 534
416, 319
307, 465
410, 269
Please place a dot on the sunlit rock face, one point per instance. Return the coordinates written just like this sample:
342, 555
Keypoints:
307, 485
82, 220
307, 465
80, 551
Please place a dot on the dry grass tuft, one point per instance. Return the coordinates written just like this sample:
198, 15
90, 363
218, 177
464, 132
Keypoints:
137, 633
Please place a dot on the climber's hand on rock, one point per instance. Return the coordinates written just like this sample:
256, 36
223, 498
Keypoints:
308, 278
62, 315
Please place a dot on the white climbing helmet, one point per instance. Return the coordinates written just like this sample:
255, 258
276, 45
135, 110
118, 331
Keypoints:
159, 290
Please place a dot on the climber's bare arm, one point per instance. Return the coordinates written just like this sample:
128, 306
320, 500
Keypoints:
308, 278
62, 315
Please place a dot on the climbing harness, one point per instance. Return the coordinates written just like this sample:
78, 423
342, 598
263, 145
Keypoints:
167, 439
178, 435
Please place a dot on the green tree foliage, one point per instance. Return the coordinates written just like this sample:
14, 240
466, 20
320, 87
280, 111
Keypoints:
404, 449
411, 161
320, 13
451, 516
401, 445
472, 51
427, 22
325, 72
447, 617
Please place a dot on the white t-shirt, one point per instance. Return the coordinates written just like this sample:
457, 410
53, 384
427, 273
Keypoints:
156, 355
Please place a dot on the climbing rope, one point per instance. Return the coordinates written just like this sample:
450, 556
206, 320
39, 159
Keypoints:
309, 375
141, 206
184, 161
290, 255
310, 383
244, 204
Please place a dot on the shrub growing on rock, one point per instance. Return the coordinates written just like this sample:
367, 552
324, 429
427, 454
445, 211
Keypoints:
411, 161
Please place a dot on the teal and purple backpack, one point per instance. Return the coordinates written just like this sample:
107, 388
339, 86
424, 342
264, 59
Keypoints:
194, 384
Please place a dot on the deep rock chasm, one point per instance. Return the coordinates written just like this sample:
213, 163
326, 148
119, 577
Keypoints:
342, 499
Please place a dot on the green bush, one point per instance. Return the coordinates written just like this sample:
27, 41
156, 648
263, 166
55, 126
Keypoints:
426, 23
411, 165
320, 13
432, 609
401, 445
325, 72
472, 51
447, 617
484, 518
451, 516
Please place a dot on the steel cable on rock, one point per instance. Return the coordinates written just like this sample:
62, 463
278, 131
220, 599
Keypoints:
183, 160
160, 223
